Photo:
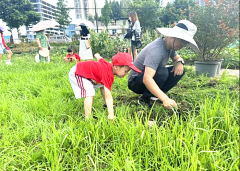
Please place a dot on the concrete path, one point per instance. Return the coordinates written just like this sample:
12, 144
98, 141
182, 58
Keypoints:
232, 72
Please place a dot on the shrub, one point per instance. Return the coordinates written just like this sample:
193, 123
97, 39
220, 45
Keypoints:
217, 24
231, 58
105, 45
23, 47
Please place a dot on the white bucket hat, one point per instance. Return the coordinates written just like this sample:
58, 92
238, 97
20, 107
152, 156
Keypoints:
183, 30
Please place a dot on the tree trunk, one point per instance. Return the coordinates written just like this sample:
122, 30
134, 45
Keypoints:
11, 39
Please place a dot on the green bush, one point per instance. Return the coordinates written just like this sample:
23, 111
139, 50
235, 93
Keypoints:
106, 46
231, 58
217, 24
23, 47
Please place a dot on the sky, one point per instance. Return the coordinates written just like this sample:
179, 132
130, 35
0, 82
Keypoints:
102, 2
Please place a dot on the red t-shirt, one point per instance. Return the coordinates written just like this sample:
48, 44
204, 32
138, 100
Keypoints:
100, 71
75, 56
3, 42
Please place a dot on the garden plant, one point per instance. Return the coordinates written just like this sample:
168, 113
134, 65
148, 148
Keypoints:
42, 125
218, 27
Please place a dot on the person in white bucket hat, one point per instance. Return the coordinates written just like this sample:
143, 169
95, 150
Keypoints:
156, 79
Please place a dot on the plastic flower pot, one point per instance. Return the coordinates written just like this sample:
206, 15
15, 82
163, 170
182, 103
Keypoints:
208, 68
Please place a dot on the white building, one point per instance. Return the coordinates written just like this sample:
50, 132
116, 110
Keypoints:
84, 8
46, 11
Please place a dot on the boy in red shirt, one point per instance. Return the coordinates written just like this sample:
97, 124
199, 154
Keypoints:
86, 76
72, 56
4, 48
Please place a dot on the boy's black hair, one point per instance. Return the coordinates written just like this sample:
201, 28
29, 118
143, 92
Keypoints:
70, 49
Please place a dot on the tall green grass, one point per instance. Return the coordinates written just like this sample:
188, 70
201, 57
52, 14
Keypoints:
42, 126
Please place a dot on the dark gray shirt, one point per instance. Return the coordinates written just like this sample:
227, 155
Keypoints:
153, 55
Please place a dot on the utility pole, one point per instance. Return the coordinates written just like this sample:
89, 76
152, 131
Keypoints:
96, 16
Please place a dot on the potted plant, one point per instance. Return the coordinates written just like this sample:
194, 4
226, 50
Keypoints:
217, 22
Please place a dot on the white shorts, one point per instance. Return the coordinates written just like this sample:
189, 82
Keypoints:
81, 86
2, 49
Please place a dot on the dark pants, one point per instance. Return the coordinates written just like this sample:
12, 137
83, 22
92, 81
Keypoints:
164, 78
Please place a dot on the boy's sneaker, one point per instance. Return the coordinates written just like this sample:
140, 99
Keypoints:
151, 123
8, 63
144, 101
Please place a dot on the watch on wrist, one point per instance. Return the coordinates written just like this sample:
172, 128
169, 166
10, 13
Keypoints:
181, 61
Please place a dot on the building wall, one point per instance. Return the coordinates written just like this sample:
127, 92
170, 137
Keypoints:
84, 8
71, 30
46, 11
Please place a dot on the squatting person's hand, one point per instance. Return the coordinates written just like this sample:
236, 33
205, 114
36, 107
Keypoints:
169, 103
178, 69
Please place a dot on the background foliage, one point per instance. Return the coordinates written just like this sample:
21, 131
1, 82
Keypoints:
218, 27
17, 13
62, 14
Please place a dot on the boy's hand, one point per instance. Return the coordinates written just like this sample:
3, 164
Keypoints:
97, 55
111, 117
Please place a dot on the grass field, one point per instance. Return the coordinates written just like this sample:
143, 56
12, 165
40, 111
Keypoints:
42, 125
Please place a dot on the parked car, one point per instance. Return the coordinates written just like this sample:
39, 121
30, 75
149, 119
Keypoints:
59, 39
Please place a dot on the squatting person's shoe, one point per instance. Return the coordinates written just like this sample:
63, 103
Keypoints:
154, 98
144, 101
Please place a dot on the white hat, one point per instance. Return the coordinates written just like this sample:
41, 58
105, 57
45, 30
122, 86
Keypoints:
183, 30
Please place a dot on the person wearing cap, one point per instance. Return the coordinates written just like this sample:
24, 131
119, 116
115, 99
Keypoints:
85, 50
156, 79
86, 76
4, 48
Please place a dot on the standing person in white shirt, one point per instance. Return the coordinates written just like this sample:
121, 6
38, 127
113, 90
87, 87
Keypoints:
136, 30
85, 52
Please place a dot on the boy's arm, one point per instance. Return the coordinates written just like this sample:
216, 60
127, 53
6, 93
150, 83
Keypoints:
78, 57
109, 102
97, 56
4, 44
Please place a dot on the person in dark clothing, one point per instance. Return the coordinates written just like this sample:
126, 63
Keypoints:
156, 79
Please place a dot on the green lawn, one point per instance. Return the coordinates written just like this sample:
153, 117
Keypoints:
42, 125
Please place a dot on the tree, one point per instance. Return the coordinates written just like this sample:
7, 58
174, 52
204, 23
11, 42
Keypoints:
90, 18
218, 26
62, 14
33, 17
176, 11
106, 11
148, 12
17, 13
115, 10
123, 5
